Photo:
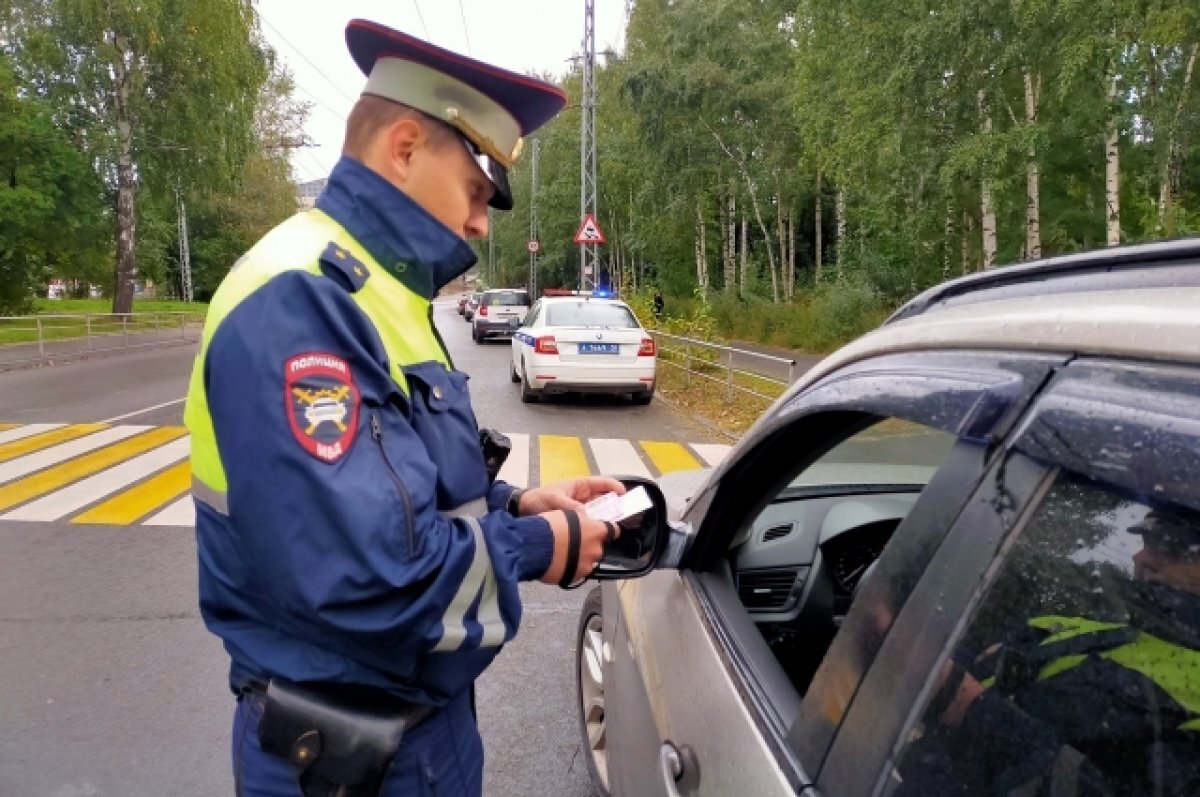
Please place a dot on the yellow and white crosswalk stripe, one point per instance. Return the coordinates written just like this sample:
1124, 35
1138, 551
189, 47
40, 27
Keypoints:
101, 474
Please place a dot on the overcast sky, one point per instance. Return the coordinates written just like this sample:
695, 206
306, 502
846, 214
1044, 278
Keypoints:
521, 35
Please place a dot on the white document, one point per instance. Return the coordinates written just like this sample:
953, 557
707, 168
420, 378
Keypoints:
615, 508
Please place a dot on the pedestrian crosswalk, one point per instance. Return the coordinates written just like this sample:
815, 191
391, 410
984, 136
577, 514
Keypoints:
118, 475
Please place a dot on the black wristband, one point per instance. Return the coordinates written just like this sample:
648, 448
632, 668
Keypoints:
573, 540
514, 502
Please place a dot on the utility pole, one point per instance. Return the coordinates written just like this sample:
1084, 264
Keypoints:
534, 241
588, 254
185, 258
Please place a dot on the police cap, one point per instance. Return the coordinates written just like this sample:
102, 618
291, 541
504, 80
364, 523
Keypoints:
491, 108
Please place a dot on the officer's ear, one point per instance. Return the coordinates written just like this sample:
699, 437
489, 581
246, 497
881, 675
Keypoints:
403, 138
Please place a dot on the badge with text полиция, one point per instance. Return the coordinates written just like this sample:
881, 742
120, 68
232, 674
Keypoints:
322, 403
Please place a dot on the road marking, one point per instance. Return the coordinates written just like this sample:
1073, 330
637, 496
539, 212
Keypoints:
65, 451
180, 513
15, 432
143, 412
143, 499
561, 457
669, 457
39, 484
712, 453
38, 441
617, 457
79, 494
93, 474
516, 467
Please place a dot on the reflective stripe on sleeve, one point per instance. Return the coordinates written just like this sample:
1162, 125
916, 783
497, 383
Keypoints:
479, 582
213, 499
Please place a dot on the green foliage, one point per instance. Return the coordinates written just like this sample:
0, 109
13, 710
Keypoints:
189, 94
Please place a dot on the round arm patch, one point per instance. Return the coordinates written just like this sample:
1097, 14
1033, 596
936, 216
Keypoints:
322, 404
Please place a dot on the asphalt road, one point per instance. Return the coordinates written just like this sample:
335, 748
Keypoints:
110, 685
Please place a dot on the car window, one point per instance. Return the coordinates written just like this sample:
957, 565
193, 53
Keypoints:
1079, 670
799, 564
508, 299
589, 314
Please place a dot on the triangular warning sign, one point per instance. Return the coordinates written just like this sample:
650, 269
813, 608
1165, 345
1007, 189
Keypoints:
589, 231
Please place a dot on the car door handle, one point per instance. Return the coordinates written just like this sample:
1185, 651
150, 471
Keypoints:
680, 770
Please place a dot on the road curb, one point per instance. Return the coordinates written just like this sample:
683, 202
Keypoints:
71, 357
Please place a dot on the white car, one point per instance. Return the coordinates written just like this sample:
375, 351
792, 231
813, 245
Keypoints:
582, 344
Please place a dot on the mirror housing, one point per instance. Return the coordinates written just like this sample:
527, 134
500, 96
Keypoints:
643, 540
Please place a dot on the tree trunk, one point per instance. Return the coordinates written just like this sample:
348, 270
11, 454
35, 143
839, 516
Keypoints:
701, 251
1168, 185
730, 231
840, 242
782, 229
817, 222
740, 164
126, 254
986, 205
966, 242
791, 258
745, 259
947, 237
1112, 169
1033, 208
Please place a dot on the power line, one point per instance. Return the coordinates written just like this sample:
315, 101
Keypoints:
421, 17
463, 14
267, 22
322, 103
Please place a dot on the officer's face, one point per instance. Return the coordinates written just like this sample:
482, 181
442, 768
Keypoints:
439, 174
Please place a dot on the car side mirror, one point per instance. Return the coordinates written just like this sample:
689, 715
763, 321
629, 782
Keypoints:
643, 538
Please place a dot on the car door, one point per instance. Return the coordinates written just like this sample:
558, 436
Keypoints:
1046, 537
524, 337
697, 700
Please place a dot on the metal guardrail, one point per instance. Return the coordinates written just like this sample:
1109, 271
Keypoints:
26, 340
693, 352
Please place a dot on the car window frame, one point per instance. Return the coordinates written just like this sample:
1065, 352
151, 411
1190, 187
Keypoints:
991, 388
1060, 432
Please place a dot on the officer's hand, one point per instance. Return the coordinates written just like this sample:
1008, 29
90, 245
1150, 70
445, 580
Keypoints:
571, 494
592, 535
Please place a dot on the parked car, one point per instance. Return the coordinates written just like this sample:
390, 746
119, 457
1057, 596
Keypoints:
472, 305
497, 310
960, 556
462, 303
585, 345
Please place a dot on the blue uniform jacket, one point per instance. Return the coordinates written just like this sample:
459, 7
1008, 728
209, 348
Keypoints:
349, 570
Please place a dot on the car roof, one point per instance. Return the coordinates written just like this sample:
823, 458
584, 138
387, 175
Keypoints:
582, 300
1138, 302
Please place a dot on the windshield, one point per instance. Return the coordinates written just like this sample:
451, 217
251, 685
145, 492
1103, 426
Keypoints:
507, 299
590, 314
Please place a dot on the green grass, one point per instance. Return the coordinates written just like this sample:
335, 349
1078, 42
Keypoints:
55, 306
68, 319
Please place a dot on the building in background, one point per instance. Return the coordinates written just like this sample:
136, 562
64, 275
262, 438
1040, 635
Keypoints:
307, 192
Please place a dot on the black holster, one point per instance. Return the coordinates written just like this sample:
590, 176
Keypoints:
339, 739
496, 448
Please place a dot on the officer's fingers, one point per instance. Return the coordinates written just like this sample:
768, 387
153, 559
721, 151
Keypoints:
592, 486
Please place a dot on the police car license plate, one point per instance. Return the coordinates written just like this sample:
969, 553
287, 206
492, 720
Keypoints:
599, 348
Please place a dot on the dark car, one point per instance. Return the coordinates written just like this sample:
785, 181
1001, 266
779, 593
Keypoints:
961, 556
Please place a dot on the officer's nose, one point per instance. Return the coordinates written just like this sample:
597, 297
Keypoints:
477, 222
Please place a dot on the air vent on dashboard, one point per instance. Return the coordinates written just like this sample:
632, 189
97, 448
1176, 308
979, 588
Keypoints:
777, 532
765, 589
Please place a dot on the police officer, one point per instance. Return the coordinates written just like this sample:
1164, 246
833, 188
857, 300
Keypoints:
1083, 705
353, 551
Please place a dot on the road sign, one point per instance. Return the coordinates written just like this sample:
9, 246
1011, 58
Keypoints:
589, 231
533, 246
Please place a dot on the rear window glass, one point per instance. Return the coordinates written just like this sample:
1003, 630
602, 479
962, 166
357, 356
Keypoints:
587, 314
507, 300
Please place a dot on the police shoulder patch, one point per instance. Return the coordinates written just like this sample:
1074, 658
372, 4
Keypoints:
337, 262
322, 403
